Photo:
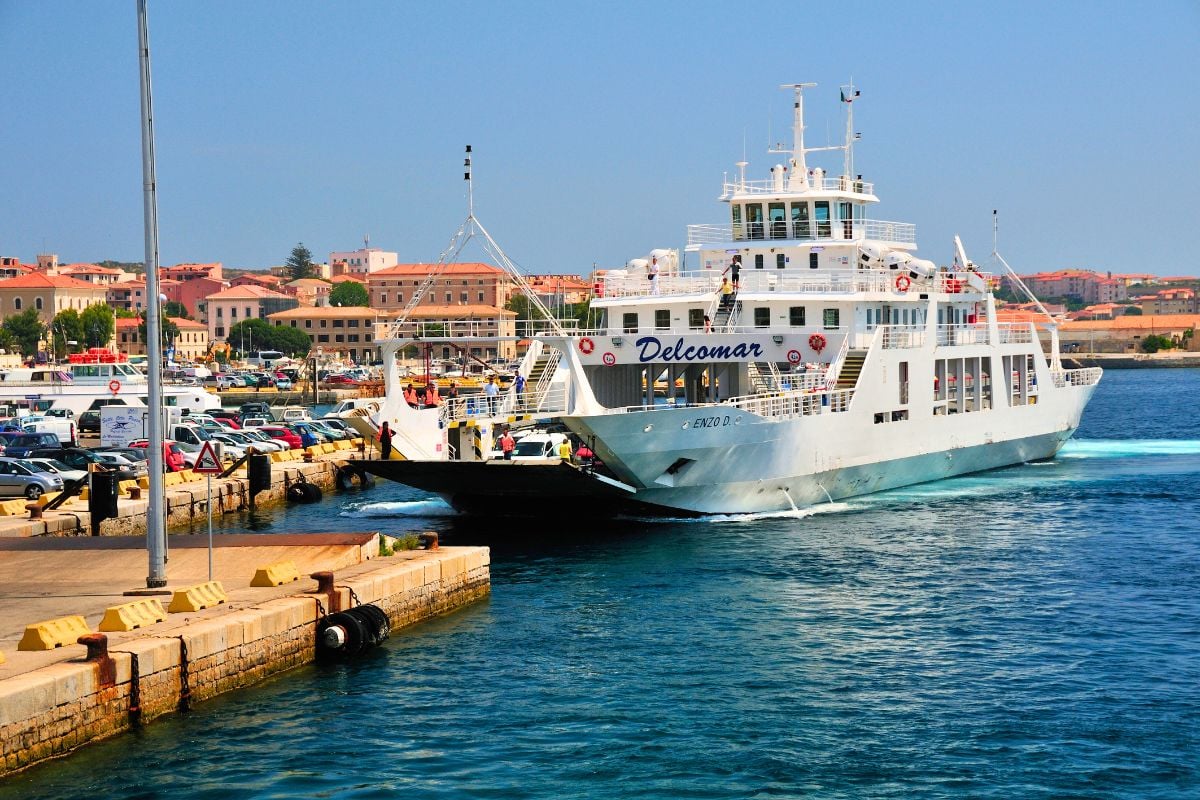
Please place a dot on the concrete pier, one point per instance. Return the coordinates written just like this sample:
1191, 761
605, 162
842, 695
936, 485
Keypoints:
52, 701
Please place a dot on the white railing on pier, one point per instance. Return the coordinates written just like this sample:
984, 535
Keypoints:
842, 183
846, 230
1077, 377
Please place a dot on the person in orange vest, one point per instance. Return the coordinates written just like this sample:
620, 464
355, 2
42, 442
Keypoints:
410, 395
431, 396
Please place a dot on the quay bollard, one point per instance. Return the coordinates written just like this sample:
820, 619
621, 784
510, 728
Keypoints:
333, 603
34, 509
97, 653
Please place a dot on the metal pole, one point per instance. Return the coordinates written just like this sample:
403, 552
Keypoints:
208, 505
156, 533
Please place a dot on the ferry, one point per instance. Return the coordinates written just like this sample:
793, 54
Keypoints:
807, 355
841, 365
88, 384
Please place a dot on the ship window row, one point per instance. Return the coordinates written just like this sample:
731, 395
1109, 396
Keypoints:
794, 220
697, 319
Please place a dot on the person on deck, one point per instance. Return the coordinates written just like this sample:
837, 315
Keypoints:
452, 397
726, 294
735, 271
652, 274
491, 391
519, 388
385, 441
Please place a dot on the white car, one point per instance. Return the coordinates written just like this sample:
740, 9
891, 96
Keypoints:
230, 446
59, 468
260, 441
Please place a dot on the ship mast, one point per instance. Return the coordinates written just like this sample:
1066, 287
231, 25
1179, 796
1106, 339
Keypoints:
799, 167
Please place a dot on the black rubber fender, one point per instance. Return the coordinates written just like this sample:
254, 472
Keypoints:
344, 479
357, 635
312, 492
376, 622
301, 492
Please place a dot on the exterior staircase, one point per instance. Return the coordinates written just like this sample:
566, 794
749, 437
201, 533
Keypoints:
764, 377
723, 317
537, 383
851, 368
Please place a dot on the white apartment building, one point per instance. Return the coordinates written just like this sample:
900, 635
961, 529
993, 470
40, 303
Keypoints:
361, 262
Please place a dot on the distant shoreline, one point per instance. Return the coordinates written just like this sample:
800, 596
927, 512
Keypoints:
1133, 361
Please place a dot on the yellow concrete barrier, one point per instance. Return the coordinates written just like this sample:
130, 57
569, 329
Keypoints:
343, 444
144, 482
12, 508
53, 633
276, 574
1, 656
125, 486
128, 616
171, 479
194, 598
46, 499
295, 455
186, 476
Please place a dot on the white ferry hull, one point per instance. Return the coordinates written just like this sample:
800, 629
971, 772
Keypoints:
762, 466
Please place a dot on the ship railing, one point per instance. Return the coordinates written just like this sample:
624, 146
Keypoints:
958, 335
705, 282
835, 363
486, 328
845, 230
1016, 332
780, 405
842, 183
902, 337
1087, 376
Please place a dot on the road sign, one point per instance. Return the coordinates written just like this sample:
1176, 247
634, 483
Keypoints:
207, 462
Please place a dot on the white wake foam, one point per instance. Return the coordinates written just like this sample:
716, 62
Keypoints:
1127, 448
402, 508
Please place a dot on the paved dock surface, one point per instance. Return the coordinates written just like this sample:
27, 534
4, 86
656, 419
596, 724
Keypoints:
46, 578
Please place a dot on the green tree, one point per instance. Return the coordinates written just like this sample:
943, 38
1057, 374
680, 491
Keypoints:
249, 335
24, 330
1153, 343
526, 313
1133, 311
124, 313
349, 293
66, 327
291, 341
174, 309
300, 263
99, 325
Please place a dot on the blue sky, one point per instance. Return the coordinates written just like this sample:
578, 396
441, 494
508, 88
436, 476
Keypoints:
600, 129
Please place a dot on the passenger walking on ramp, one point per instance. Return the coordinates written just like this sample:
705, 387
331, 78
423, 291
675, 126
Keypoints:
385, 441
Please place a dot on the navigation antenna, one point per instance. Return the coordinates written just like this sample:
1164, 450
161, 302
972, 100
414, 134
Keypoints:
797, 163
470, 228
1051, 325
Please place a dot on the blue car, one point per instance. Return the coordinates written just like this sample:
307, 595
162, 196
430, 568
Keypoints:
307, 436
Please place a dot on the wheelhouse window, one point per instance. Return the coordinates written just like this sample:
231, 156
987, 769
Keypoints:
821, 208
778, 215
762, 317
662, 319
754, 216
630, 322
832, 318
800, 222
736, 211
796, 316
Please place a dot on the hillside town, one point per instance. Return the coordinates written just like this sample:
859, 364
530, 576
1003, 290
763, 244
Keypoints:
340, 307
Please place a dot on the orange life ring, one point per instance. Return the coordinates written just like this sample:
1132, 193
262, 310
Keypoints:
902, 283
586, 346
816, 342
114, 386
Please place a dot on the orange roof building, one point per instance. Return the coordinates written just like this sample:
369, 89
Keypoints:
48, 294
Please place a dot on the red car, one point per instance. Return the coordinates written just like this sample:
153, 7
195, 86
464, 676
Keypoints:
231, 424
282, 434
340, 380
172, 454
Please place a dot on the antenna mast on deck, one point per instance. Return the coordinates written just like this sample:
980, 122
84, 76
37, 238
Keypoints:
471, 228
797, 163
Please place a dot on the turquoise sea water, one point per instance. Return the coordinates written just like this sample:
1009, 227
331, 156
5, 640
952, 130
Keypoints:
1032, 632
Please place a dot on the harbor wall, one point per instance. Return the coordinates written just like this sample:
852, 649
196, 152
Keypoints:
53, 710
186, 502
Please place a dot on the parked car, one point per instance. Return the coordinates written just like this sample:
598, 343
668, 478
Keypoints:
283, 384
308, 435
79, 458
59, 468
230, 447
124, 464
259, 441
282, 434
254, 408
330, 433
173, 460
89, 421
23, 444
20, 478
